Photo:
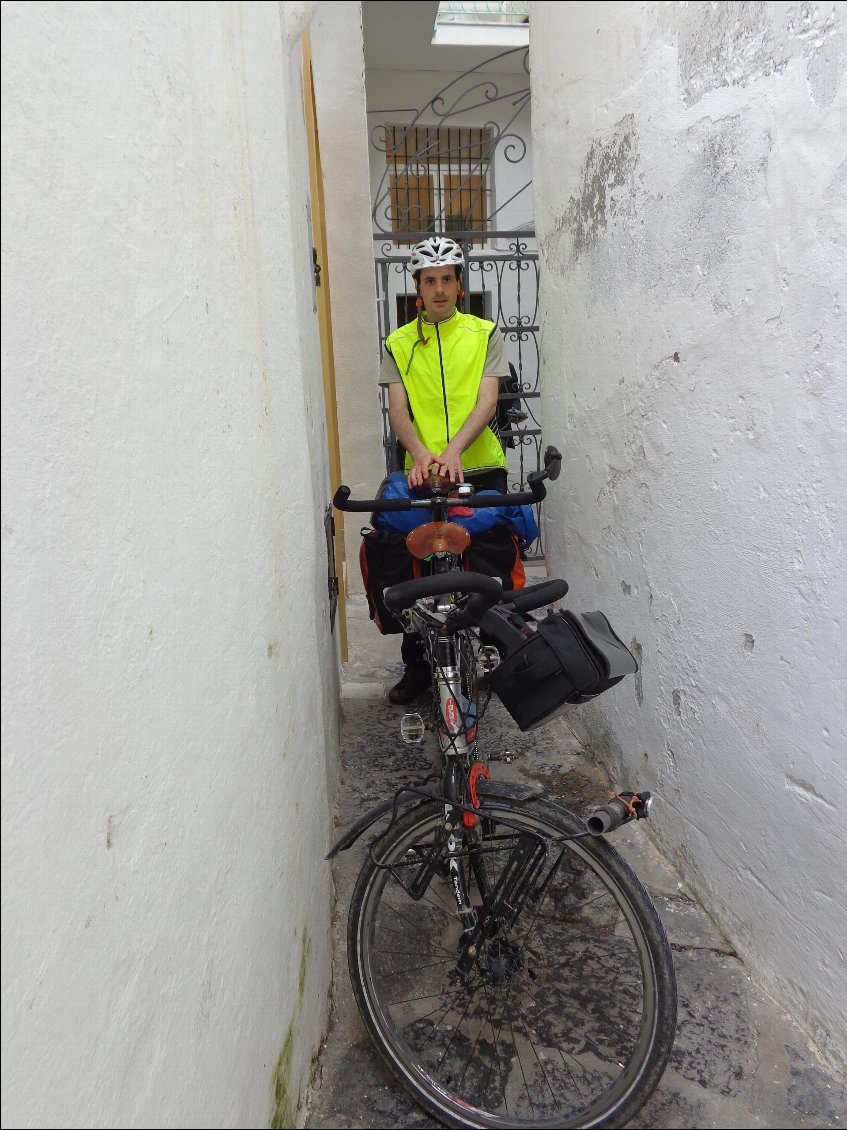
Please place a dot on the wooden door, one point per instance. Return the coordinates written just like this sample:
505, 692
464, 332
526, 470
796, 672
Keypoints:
325, 325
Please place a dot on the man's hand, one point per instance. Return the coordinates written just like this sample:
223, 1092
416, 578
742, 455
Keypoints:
450, 463
450, 459
419, 471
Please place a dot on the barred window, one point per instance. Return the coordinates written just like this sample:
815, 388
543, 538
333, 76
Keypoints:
439, 179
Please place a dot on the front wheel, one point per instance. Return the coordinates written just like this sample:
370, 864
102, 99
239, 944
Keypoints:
567, 1015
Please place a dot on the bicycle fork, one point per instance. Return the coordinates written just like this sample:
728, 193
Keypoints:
454, 733
501, 905
514, 885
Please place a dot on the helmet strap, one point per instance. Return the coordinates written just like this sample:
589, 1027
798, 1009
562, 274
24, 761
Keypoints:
421, 339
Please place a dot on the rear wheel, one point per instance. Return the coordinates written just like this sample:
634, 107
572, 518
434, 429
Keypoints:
566, 1017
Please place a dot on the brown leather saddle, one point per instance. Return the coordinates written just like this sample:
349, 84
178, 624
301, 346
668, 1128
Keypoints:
437, 537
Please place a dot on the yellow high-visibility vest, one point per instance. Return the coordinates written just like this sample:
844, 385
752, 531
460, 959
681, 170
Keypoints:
442, 380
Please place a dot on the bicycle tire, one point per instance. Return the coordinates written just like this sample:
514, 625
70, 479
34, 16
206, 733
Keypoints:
569, 1023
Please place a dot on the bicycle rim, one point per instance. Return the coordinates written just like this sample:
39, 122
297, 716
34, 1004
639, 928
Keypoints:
566, 1019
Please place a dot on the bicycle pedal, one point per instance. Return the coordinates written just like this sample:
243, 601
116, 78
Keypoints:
412, 729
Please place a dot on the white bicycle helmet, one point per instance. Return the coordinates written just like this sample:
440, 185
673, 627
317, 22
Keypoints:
437, 251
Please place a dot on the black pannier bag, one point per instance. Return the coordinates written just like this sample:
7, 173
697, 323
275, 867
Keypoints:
547, 665
496, 553
385, 561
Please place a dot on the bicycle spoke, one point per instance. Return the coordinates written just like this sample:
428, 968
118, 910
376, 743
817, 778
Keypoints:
547, 1026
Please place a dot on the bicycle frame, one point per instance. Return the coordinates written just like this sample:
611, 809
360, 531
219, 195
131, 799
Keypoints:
456, 733
484, 929
457, 740
455, 724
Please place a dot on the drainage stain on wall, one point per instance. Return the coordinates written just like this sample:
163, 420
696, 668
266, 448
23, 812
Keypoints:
305, 950
638, 651
286, 1105
284, 1108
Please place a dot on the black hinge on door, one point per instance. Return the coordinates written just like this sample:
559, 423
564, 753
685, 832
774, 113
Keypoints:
332, 578
317, 266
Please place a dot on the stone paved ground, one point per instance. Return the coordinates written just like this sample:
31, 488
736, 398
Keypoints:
738, 1060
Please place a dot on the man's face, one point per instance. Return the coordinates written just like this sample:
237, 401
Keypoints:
439, 289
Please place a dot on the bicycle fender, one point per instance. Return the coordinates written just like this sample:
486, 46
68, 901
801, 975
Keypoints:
501, 790
506, 790
495, 789
352, 834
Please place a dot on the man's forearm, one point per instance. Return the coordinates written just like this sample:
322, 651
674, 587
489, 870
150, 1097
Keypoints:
405, 431
480, 417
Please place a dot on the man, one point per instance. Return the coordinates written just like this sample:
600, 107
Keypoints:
443, 373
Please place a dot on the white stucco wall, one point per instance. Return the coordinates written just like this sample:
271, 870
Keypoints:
690, 203
339, 75
166, 797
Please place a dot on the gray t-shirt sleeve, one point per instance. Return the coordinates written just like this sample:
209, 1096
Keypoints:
496, 364
388, 372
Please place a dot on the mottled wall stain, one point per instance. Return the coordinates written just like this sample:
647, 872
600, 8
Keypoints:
734, 44
726, 169
607, 173
722, 45
605, 194
632, 228
824, 46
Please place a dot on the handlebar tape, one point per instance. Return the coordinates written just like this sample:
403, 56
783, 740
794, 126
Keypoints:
407, 592
537, 493
534, 596
342, 501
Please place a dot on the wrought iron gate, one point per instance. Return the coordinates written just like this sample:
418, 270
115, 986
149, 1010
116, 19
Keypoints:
444, 167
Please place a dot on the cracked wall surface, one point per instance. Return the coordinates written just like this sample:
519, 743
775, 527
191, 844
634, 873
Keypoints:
691, 209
